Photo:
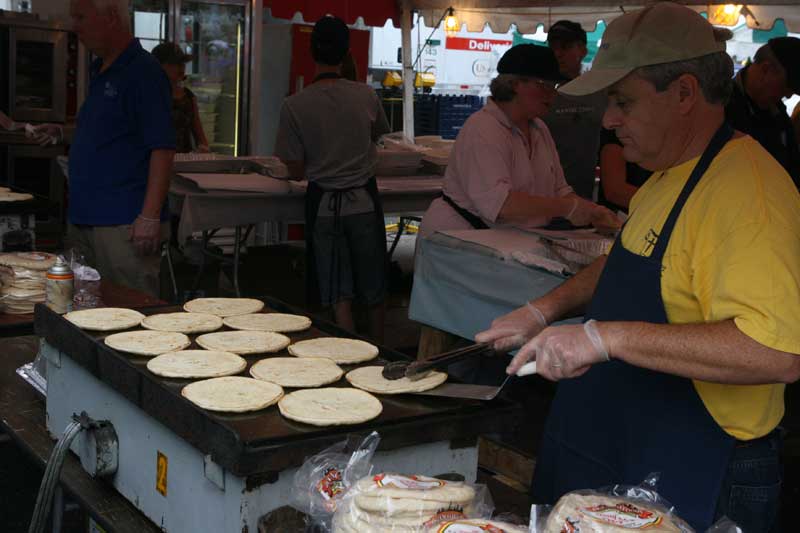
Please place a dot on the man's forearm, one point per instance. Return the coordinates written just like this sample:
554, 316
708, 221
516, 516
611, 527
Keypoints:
519, 207
571, 297
157, 182
715, 352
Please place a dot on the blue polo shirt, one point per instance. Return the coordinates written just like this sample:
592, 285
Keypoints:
127, 114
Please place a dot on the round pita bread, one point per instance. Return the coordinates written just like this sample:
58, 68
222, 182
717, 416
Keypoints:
277, 322
145, 342
232, 394
105, 318
294, 372
477, 525
331, 406
419, 519
183, 322
187, 364
224, 306
370, 379
29, 260
244, 342
418, 488
338, 350
596, 513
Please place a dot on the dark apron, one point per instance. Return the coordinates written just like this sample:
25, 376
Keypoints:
312, 200
617, 423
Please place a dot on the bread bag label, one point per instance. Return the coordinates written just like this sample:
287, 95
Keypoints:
469, 528
446, 515
625, 515
408, 482
331, 485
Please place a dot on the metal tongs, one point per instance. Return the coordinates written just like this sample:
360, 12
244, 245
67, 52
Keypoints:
418, 369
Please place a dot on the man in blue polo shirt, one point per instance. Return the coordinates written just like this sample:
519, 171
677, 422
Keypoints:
121, 157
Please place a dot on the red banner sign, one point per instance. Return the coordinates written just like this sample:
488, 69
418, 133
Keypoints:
474, 45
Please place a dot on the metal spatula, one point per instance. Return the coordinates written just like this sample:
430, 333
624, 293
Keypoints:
477, 392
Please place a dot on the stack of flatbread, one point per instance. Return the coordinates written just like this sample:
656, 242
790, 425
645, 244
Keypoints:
389, 502
23, 276
597, 513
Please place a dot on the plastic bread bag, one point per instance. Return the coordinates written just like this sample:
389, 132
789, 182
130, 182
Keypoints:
321, 483
615, 509
409, 503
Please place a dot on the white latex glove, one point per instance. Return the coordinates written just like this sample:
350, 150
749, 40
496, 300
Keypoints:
146, 235
45, 134
605, 220
563, 351
514, 329
585, 213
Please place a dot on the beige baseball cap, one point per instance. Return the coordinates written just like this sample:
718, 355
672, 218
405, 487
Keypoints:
664, 32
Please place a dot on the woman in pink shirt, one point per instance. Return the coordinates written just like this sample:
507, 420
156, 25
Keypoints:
504, 168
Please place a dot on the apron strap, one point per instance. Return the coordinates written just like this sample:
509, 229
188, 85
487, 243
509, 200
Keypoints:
720, 139
474, 221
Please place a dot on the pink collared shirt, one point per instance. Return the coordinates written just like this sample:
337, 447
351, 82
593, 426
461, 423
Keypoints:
490, 159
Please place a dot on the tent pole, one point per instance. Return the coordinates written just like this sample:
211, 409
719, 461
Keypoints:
408, 71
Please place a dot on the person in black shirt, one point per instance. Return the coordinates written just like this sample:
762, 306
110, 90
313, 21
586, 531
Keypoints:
756, 106
619, 179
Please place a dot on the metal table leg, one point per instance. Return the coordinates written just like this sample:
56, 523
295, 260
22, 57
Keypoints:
236, 243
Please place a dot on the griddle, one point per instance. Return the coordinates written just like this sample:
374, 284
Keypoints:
263, 443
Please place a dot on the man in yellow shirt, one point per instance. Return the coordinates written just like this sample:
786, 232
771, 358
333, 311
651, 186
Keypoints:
691, 328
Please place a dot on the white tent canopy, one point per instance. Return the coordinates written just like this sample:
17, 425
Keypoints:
527, 15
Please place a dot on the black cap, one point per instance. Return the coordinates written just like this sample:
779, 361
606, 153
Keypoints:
330, 40
566, 32
170, 54
787, 51
530, 60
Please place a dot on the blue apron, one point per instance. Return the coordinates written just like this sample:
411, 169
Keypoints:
618, 422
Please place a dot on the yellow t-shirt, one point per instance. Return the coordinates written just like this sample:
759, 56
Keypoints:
734, 254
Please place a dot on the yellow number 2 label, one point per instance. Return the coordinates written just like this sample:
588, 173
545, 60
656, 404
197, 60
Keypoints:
161, 473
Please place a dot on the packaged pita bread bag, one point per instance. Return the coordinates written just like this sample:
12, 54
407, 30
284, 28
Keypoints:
389, 502
323, 480
615, 509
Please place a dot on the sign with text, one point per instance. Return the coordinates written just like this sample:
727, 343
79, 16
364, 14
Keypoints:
474, 45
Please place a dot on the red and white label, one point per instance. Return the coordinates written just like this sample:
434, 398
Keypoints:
624, 515
474, 45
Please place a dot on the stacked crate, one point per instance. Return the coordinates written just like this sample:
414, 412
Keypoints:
443, 114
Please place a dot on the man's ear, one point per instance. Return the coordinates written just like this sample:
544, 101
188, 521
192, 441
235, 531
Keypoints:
689, 92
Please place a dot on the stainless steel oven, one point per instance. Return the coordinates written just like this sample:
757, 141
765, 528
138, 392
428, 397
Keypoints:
39, 63
34, 169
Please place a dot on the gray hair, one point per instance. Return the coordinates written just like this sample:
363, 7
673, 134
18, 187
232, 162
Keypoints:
121, 7
502, 87
714, 73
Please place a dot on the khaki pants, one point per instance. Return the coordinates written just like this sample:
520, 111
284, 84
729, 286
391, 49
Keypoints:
110, 250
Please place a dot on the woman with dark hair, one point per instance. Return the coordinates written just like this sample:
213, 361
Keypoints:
188, 128
504, 167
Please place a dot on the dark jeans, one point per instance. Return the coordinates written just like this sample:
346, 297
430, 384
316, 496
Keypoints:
751, 490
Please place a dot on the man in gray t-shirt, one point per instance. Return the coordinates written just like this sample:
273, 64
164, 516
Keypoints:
575, 122
327, 134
